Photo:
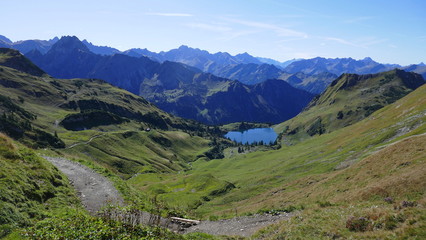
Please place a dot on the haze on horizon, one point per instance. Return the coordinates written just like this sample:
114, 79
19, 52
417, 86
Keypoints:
388, 31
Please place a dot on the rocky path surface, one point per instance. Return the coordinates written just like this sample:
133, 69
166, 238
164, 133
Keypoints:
94, 190
239, 226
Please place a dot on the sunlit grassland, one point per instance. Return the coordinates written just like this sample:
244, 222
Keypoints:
348, 100
131, 152
275, 179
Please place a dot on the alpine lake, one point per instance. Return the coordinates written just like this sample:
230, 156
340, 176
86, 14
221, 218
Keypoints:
255, 135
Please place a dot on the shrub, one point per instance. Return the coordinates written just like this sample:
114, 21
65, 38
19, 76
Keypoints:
324, 204
358, 224
390, 222
316, 128
405, 204
340, 115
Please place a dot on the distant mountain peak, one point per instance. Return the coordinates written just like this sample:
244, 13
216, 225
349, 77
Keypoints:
68, 44
102, 50
182, 47
244, 54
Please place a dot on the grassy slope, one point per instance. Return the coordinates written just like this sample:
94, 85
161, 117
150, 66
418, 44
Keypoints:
123, 149
397, 171
289, 176
37, 202
30, 187
332, 151
349, 99
112, 149
131, 152
43, 97
180, 192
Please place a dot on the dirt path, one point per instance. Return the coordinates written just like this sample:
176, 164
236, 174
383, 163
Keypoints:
94, 190
80, 143
240, 226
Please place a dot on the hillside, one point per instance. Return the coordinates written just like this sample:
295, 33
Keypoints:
86, 114
249, 73
315, 83
82, 114
326, 179
16, 60
39, 202
419, 68
207, 98
348, 100
30, 190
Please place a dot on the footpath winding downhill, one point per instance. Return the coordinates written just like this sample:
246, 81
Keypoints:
96, 191
81, 143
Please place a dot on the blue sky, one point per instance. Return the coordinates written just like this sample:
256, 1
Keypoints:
388, 31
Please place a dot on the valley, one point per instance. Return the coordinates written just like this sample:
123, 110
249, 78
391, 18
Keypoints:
355, 152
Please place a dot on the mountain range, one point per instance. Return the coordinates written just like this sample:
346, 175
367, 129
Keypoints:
225, 65
175, 87
28, 45
185, 70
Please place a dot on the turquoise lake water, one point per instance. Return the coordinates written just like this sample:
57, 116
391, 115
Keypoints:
267, 135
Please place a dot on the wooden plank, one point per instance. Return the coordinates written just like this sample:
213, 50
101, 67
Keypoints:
184, 220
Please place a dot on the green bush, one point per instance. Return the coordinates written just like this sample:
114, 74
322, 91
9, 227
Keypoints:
391, 222
324, 204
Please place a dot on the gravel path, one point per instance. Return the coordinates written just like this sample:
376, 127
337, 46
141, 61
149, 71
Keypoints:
240, 226
94, 190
